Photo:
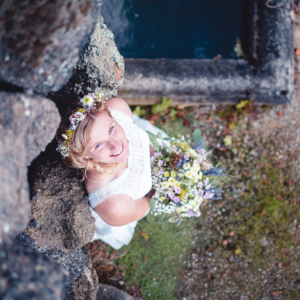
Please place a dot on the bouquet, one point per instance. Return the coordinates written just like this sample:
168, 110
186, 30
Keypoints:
183, 176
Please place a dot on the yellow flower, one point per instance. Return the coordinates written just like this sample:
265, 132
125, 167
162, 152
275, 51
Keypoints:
165, 185
200, 175
171, 181
182, 194
186, 166
179, 209
69, 133
193, 153
166, 174
186, 146
196, 178
82, 110
173, 174
188, 174
162, 198
176, 184
99, 96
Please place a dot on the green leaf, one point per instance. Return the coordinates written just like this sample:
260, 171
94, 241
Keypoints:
234, 150
139, 111
161, 107
227, 140
197, 136
173, 113
153, 140
152, 204
238, 49
242, 104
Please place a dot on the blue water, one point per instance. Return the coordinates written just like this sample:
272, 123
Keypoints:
174, 28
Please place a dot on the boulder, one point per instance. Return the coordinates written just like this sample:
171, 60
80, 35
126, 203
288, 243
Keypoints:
27, 124
60, 216
82, 282
100, 68
40, 41
26, 274
107, 292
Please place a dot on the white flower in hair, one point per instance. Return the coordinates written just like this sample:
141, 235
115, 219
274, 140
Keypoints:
87, 100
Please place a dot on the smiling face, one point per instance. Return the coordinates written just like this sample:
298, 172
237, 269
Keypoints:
107, 140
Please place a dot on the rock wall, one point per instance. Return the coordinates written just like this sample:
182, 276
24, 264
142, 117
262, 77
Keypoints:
63, 49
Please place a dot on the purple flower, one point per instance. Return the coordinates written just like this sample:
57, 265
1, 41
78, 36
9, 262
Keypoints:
161, 171
186, 157
171, 195
176, 199
190, 213
202, 151
208, 195
160, 163
206, 181
198, 213
200, 184
71, 120
156, 154
208, 187
178, 190
201, 192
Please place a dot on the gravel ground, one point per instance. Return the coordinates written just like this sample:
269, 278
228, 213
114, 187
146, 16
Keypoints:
247, 246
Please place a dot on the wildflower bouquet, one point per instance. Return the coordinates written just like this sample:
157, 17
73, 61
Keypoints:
183, 176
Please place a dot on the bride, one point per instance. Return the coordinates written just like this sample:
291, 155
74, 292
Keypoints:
109, 144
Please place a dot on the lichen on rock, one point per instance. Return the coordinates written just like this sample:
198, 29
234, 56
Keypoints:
27, 123
40, 41
60, 216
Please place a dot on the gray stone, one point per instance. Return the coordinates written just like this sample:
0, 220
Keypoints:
82, 282
27, 123
40, 41
60, 216
26, 274
100, 68
107, 292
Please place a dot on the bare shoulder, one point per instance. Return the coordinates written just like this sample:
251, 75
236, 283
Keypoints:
117, 210
92, 183
120, 105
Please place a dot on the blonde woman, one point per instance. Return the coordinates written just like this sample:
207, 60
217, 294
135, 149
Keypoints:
109, 144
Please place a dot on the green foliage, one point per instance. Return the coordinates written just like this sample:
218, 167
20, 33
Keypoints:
243, 103
153, 140
161, 107
227, 140
155, 255
139, 111
238, 49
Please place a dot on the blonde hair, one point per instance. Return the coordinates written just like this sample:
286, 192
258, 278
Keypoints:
80, 140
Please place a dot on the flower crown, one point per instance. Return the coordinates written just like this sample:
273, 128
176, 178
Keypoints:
89, 102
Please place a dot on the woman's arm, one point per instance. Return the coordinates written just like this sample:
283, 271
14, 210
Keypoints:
119, 210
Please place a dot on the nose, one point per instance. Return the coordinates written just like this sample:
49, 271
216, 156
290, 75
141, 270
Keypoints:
114, 144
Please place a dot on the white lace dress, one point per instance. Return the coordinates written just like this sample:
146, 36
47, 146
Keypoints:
134, 181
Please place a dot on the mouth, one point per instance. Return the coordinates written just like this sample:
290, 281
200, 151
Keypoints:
119, 152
